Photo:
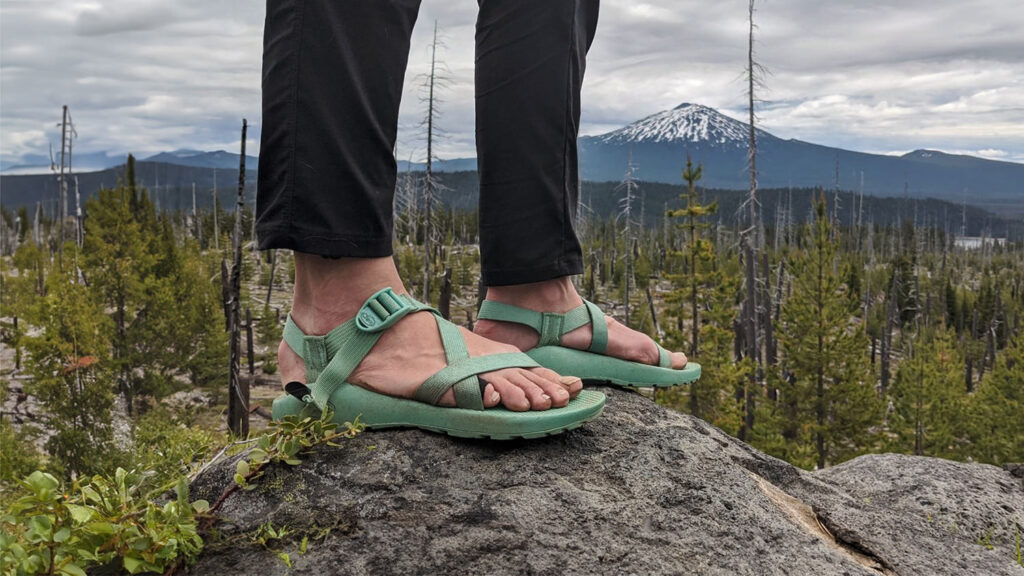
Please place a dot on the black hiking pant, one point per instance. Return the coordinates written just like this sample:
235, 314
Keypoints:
332, 83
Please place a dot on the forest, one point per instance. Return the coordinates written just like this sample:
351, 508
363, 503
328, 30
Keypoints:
823, 335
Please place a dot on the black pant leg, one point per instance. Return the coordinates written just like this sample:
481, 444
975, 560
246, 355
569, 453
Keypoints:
530, 59
332, 83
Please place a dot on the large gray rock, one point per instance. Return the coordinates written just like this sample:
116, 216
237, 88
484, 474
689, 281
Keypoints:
641, 490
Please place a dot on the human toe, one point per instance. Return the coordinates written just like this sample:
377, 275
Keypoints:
538, 396
554, 389
573, 384
512, 397
491, 396
678, 360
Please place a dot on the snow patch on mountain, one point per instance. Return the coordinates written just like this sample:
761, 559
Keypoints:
685, 123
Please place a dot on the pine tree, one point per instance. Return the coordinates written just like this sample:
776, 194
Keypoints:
160, 295
192, 341
996, 410
834, 402
712, 397
929, 400
70, 367
699, 250
118, 261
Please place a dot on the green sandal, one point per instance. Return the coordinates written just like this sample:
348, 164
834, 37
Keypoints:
331, 359
591, 365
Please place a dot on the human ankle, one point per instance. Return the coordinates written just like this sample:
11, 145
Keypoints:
330, 291
555, 295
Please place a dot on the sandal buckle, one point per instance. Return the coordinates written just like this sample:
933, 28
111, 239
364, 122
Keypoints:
381, 311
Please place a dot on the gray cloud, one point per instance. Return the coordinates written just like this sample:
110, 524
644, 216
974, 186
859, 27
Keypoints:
113, 18
873, 75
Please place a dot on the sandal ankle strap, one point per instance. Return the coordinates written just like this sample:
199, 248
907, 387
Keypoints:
552, 326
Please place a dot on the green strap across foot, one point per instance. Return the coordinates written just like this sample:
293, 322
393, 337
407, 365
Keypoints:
552, 327
331, 359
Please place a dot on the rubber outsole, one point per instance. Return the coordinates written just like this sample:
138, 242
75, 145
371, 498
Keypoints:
595, 368
377, 411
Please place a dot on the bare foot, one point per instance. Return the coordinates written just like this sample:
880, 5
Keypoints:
560, 296
329, 292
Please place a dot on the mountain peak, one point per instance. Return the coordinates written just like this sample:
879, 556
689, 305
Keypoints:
693, 108
922, 153
687, 122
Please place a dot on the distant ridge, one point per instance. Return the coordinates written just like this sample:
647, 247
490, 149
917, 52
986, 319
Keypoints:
198, 159
98, 161
659, 144
169, 185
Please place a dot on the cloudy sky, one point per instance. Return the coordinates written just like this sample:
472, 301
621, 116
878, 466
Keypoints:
881, 76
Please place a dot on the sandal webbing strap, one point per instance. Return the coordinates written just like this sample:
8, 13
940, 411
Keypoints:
345, 360
348, 344
433, 388
315, 351
468, 392
599, 340
664, 360
491, 310
552, 326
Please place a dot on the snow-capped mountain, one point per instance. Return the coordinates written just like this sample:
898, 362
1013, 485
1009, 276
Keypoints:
659, 144
684, 123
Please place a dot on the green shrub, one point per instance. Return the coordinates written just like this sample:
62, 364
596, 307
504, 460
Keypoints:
18, 455
62, 529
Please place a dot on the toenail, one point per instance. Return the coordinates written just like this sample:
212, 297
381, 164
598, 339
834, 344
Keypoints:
545, 396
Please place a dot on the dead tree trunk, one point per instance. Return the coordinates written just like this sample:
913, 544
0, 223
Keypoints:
428, 188
225, 292
444, 304
63, 185
890, 317
770, 350
238, 393
750, 337
974, 337
248, 343
751, 242
216, 204
270, 282
591, 284
17, 345
654, 316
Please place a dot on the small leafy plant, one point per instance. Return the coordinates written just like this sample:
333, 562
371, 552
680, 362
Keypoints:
59, 529
288, 439
53, 527
267, 533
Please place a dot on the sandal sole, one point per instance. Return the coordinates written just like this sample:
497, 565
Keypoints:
378, 411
